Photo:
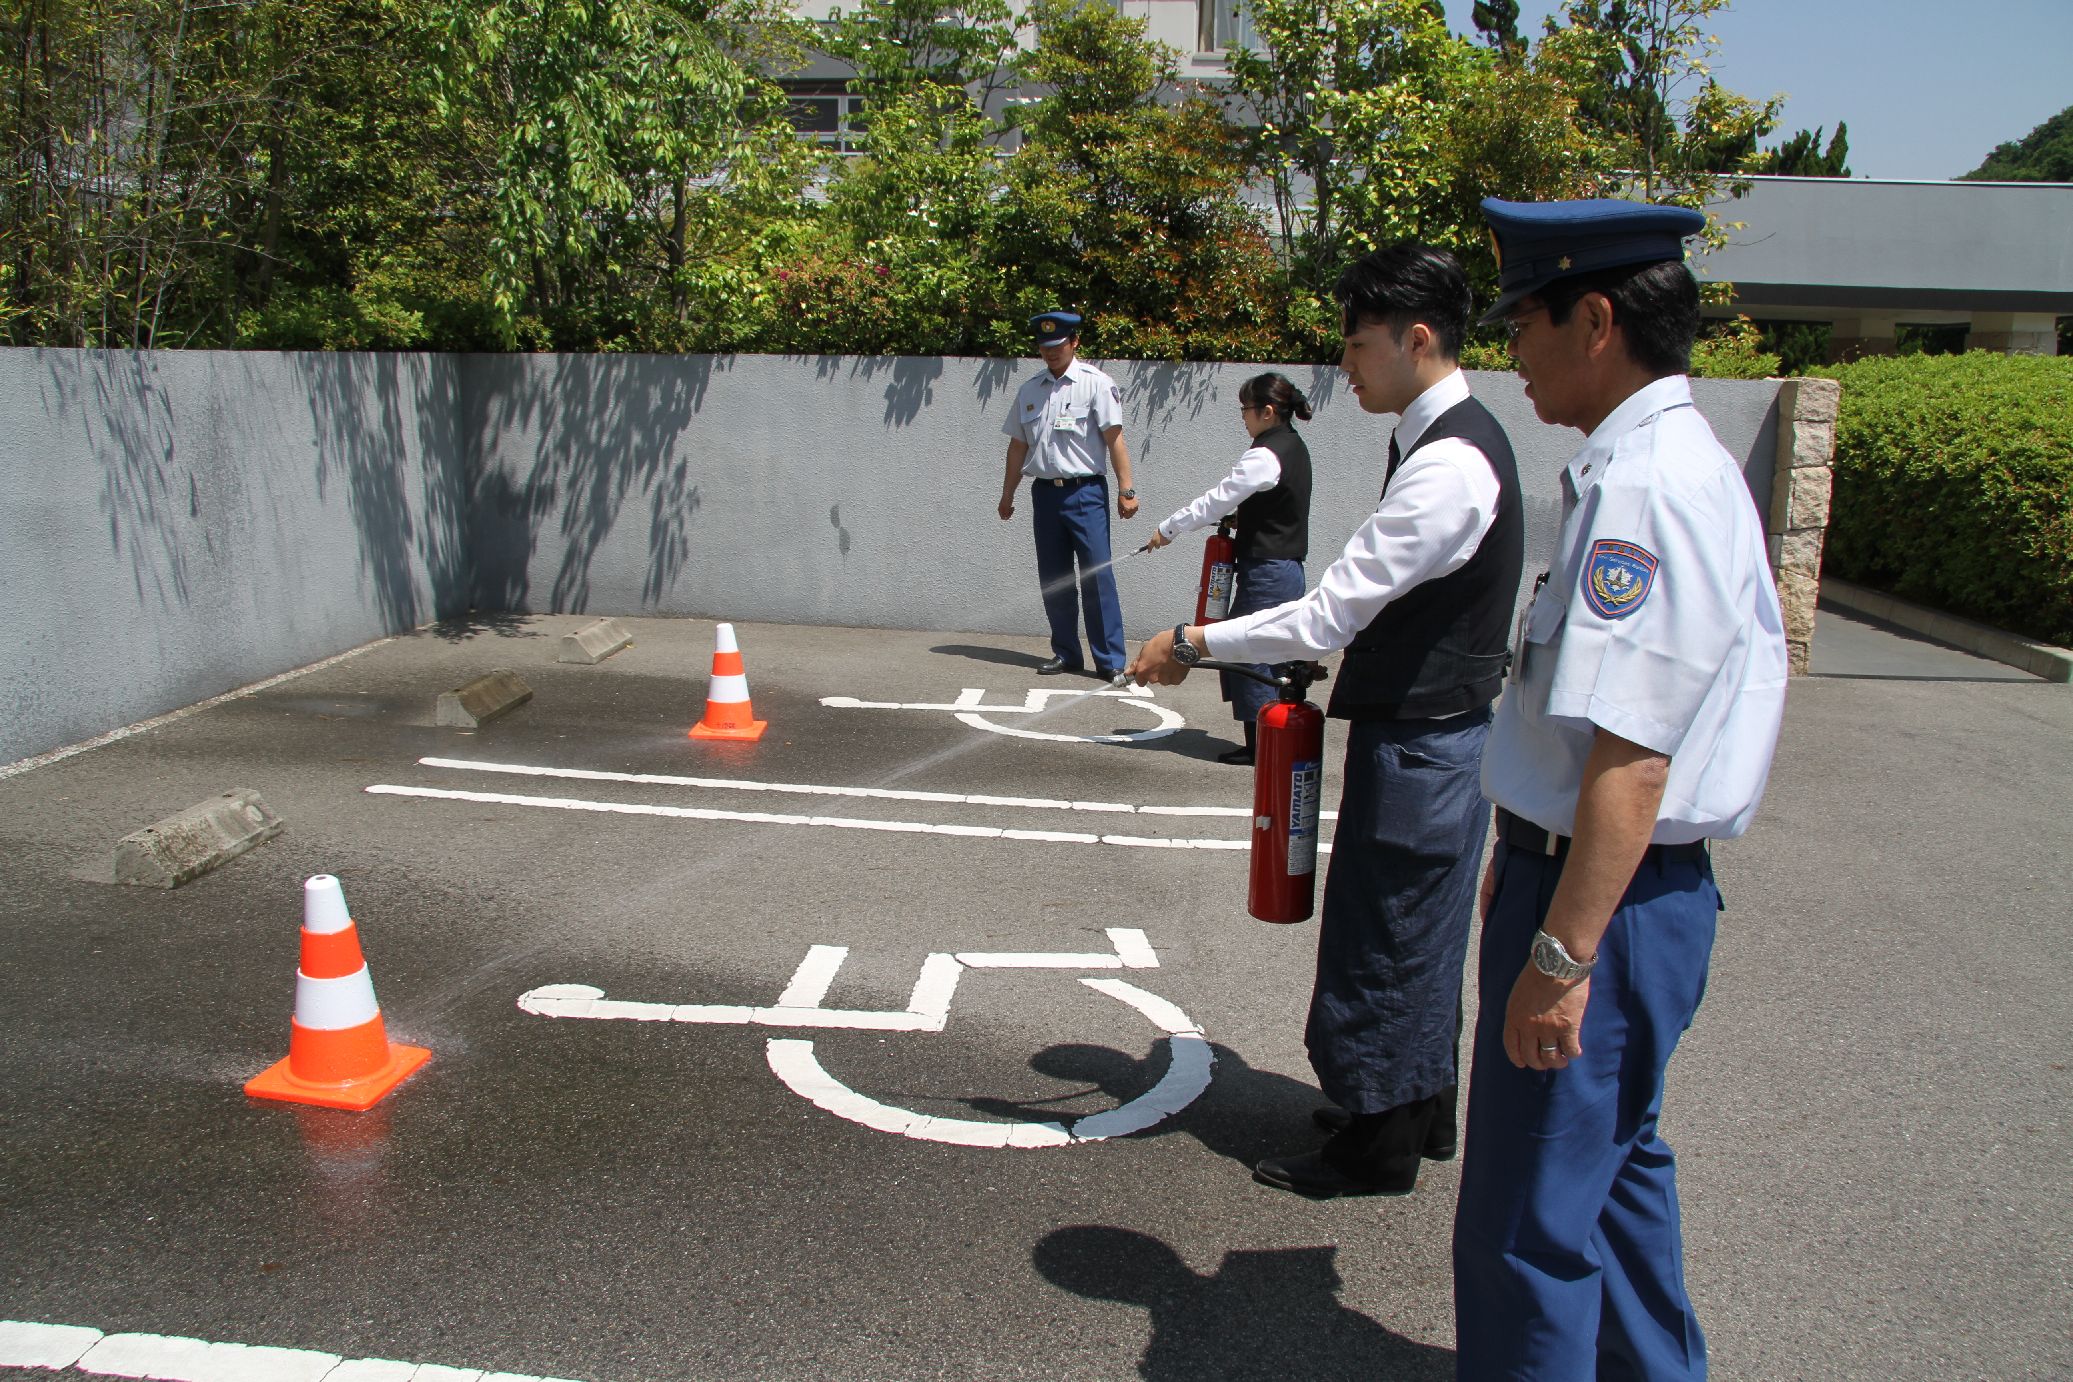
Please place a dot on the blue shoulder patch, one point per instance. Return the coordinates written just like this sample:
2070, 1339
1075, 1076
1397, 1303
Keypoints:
1617, 578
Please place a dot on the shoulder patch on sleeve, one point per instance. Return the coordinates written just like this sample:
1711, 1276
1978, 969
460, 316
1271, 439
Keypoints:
1617, 577
1115, 393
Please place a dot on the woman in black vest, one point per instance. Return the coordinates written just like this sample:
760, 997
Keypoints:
1267, 498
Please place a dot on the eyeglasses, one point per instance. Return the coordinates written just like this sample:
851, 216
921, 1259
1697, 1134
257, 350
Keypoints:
1516, 323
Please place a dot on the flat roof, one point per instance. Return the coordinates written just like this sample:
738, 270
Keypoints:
1855, 242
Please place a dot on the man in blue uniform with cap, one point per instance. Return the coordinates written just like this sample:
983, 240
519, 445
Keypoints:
1645, 700
1066, 432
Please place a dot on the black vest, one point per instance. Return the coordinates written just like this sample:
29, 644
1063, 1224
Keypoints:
1440, 648
1276, 522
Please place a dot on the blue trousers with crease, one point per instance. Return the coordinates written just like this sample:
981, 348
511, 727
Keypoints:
1072, 524
1568, 1250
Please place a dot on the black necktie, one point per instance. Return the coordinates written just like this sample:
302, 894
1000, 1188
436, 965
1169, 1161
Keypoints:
1396, 458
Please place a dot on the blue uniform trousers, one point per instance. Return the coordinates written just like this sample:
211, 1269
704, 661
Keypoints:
1385, 1014
1071, 523
1263, 582
1568, 1254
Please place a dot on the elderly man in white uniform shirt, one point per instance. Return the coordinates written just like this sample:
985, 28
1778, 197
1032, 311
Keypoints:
1065, 434
1421, 600
1644, 707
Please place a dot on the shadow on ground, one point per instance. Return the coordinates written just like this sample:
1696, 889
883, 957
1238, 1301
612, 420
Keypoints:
1255, 1316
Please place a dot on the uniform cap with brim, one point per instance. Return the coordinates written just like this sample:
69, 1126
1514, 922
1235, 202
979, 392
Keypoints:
1055, 328
1539, 242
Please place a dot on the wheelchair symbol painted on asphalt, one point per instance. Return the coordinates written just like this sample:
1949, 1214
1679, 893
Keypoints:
972, 700
792, 1060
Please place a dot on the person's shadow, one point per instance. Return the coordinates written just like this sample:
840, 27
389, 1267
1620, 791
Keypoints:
1245, 1114
1264, 1314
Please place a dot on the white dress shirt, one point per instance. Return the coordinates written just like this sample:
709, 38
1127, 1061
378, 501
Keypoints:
1434, 513
1257, 471
1659, 622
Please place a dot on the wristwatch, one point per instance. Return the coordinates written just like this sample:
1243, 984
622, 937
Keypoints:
1553, 959
1184, 652
1126, 494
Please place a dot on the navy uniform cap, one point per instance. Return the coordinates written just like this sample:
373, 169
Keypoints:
1055, 328
1539, 242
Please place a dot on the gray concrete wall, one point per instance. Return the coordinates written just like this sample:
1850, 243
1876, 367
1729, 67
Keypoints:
861, 491
177, 524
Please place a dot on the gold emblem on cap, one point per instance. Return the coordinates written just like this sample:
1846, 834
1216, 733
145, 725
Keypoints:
1047, 325
1563, 263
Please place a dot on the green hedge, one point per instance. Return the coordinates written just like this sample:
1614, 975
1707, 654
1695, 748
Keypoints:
1954, 486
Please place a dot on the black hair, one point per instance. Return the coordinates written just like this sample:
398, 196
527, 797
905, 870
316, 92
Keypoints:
1656, 307
1406, 283
1277, 392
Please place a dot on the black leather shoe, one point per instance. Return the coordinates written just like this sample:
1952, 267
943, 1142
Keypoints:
1310, 1174
1241, 758
1115, 678
1055, 666
1442, 1142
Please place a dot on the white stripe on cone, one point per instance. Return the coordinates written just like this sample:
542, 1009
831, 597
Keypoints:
333, 1005
729, 690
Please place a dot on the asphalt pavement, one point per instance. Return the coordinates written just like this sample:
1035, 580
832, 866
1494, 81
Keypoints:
1870, 1112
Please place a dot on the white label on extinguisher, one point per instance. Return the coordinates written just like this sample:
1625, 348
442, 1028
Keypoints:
1305, 785
1218, 605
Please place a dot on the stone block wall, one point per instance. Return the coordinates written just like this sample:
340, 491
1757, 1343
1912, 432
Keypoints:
1802, 479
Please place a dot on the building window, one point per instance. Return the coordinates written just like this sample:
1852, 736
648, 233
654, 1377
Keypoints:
1225, 24
827, 113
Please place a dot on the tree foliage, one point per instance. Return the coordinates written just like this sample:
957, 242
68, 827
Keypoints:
2045, 154
624, 174
1802, 156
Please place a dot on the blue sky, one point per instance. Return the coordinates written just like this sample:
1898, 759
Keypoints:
1928, 87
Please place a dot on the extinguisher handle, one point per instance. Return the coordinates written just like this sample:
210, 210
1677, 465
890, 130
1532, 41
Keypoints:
1297, 680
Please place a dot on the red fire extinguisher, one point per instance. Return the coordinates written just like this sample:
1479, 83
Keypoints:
1287, 793
1219, 575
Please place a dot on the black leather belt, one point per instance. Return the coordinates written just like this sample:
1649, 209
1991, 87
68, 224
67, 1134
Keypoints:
1063, 480
1521, 834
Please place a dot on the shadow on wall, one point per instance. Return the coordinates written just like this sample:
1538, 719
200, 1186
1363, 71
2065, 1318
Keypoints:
910, 385
1158, 394
383, 424
582, 436
142, 494
1266, 1314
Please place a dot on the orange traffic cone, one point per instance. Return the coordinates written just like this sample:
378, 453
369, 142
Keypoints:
339, 1054
728, 714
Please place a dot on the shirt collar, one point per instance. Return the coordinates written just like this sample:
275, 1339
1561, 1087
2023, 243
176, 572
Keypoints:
1426, 409
1072, 371
1656, 396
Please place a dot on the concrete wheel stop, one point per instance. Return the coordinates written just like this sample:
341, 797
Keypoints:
187, 844
483, 699
595, 642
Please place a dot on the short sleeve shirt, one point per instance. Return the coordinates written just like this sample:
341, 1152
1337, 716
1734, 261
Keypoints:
1658, 622
1061, 419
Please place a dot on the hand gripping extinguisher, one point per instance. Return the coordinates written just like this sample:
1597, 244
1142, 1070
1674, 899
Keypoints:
1219, 575
1287, 792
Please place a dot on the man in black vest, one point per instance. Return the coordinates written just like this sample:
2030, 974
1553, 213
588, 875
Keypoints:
1421, 600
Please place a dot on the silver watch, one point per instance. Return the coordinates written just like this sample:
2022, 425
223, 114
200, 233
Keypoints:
1184, 652
1551, 958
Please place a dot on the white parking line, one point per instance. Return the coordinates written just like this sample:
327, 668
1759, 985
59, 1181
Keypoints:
76, 1348
815, 789
705, 813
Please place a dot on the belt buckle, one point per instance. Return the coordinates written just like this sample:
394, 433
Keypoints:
1058, 480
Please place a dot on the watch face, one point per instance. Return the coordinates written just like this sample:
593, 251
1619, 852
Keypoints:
1548, 958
